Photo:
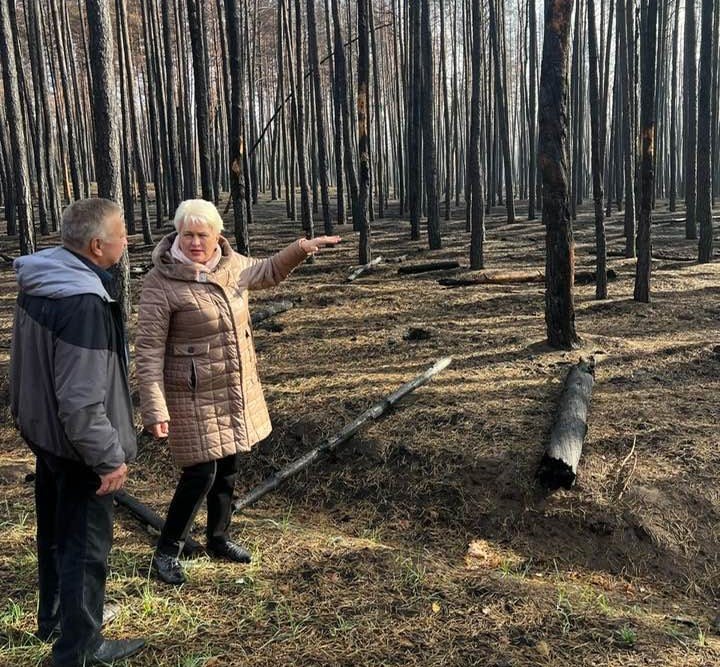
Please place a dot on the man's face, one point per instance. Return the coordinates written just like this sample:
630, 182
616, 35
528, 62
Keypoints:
112, 246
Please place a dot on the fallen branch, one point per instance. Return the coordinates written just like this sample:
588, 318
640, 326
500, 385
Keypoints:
377, 410
430, 266
516, 277
150, 518
364, 269
270, 310
558, 467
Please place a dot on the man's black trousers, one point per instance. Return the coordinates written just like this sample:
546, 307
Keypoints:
74, 535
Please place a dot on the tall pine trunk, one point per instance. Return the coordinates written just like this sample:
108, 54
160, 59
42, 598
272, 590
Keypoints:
363, 83
428, 125
597, 156
322, 162
202, 112
690, 121
107, 140
648, 44
704, 143
477, 221
552, 152
16, 126
237, 144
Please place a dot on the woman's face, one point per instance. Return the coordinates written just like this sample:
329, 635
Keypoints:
198, 241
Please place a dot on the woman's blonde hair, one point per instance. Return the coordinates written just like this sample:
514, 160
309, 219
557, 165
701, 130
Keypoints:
198, 212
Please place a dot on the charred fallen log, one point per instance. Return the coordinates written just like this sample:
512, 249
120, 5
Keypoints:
518, 277
377, 410
429, 266
558, 467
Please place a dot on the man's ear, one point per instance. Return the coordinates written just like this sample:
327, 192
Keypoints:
96, 247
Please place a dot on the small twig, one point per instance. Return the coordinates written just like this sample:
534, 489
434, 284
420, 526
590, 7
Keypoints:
630, 474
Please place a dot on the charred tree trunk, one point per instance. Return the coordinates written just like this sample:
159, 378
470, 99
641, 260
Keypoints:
532, 124
690, 121
704, 143
597, 156
428, 124
16, 125
477, 221
105, 114
673, 113
628, 124
559, 244
322, 165
134, 121
305, 210
363, 76
341, 92
649, 13
202, 112
502, 108
237, 144
171, 78
414, 87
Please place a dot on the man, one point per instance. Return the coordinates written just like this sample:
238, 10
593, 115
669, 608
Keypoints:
70, 399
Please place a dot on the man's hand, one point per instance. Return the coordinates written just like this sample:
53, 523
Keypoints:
160, 430
112, 481
311, 246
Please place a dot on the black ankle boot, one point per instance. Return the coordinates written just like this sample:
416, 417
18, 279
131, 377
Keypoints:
167, 568
228, 550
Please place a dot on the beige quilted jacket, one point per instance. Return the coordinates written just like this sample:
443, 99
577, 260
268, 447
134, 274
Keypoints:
194, 351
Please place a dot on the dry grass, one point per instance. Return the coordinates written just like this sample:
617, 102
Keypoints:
424, 541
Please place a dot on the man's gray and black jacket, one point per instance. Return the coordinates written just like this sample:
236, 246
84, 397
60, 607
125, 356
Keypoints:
69, 392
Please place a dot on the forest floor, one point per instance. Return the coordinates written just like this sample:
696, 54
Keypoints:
424, 540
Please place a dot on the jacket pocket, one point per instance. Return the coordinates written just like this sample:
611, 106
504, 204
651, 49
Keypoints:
190, 349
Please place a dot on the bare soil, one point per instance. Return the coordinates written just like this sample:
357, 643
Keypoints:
424, 540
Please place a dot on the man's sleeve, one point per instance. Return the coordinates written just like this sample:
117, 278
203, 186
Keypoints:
83, 358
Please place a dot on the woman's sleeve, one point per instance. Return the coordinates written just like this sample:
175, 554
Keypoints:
263, 273
152, 331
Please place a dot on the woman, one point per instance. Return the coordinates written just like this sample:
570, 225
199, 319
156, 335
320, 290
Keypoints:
197, 372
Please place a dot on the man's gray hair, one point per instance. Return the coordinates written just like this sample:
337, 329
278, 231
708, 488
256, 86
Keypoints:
85, 220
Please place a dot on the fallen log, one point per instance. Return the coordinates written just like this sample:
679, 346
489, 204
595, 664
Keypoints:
150, 518
497, 278
377, 410
558, 467
516, 277
270, 310
667, 256
364, 269
430, 266
590, 277
657, 254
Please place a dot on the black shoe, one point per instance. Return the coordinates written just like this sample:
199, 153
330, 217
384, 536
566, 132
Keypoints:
167, 568
114, 650
228, 550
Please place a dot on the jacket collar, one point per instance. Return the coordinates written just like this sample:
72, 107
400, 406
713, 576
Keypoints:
174, 270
